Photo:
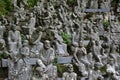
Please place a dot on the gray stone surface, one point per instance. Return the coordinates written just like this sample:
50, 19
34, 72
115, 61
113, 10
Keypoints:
85, 33
97, 10
4, 63
64, 60
32, 61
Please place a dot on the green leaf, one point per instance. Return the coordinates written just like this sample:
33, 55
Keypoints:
32, 3
66, 38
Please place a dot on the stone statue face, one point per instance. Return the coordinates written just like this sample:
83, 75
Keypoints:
31, 14
47, 44
25, 43
81, 44
97, 43
70, 68
40, 71
111, 61
13, 27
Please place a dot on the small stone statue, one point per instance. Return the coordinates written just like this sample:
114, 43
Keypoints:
115, 25
47, 53
22, 13
4, 20
111, 72
31, 24
77, 34
47, 56
105, 4
14, 40
37, 44
83, 4
95, 74
14, 3
2, 29
80, 59
73, 48
25, 52
118, 7
106, 45
96, 51
110, 66
94, 4
3, 49
18, 69
69, 74
36, 49
16, 18
114, 53
61, 48
39, 73
2, 43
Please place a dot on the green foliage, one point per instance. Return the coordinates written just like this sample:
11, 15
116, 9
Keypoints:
55, 62
72, 2
66, 38
31, 3
5, 7
106, 24
103, 69
60, 69
1, 56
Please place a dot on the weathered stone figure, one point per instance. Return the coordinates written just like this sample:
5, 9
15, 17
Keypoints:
39, 73
37, 44
111, 72
31, 24
94, 4
4, 20
47, 56
18, 69
96, 51
69, 74
2, 29
105, 4
47, 53
14, 40
2, 44
106, 46
25, 52
61, 48
83, 5
95, 73
14, 3
80, 59
22, 13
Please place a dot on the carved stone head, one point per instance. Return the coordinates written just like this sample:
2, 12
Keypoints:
70, 68
47, 44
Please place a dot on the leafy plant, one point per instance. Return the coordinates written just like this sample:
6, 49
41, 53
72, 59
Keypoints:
55, 62
66, 38
103, 69
1, 56
106, 24
60, 69
5, 7
32, 3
